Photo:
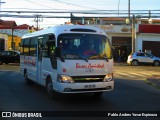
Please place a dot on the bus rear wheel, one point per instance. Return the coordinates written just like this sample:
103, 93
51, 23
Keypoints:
27, 81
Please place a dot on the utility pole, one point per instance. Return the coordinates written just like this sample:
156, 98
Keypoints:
0, 5
129, 10
133, 33
118, 7
71, 19
38, 18
12, 41
128, 20
149, 18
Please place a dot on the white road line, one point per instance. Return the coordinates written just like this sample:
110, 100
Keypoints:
134, 74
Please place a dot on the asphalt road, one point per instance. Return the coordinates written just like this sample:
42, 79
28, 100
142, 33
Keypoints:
131, 93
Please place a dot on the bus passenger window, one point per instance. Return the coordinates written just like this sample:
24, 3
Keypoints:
33, 47
26, 46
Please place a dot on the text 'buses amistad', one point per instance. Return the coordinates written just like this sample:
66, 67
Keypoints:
68, 59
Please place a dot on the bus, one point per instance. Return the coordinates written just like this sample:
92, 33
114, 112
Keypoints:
68, 59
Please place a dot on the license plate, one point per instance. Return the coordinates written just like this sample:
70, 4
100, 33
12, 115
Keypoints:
89, 86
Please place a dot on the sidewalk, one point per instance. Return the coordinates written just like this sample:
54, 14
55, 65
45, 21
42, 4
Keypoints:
153, 80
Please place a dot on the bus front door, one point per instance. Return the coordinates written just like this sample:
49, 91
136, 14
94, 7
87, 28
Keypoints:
39, 63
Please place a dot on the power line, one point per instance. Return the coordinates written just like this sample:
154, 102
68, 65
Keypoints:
68, 3
85, 4
39, 4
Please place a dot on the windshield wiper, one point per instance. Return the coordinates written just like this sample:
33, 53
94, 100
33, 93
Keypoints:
86, 59
94, 55
106, 59
98, 56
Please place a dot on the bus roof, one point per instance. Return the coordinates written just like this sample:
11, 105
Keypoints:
66, 29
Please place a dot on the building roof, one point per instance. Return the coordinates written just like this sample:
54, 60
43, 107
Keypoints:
23, 26
124, 19
7, 23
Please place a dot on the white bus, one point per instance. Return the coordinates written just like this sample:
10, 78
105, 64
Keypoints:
68, 59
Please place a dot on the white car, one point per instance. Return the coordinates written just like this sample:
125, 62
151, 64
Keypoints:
137, 58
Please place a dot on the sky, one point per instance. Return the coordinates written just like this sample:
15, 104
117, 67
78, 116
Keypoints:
70, 5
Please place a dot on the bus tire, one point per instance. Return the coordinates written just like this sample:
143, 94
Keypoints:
49, 87
27, 81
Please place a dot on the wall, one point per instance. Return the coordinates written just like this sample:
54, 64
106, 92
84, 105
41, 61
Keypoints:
5, 37
146, 37
16, 40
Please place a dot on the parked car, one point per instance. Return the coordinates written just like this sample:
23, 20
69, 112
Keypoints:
138, 58
9, 57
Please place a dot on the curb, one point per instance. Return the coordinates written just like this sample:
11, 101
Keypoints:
120, 64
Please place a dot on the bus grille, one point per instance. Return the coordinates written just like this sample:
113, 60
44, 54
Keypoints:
86, 79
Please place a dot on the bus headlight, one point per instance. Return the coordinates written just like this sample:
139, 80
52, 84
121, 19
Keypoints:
65, 79
108, 77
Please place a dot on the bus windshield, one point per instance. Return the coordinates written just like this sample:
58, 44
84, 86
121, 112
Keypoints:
84, 46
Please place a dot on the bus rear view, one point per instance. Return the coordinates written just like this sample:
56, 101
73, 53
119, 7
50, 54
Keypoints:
78, 59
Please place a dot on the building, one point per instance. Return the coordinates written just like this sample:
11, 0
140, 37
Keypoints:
120, 38
147, 34
10, 34
148, 38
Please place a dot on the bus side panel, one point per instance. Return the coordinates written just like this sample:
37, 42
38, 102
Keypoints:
47, 70
28, 63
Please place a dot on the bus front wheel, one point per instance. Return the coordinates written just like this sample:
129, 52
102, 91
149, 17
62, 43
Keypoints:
49, 87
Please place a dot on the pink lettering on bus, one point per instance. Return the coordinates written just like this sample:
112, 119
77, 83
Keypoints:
32, 61
96, 66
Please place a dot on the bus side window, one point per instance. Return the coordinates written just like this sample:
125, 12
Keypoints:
22, 47
26, 46
33, 47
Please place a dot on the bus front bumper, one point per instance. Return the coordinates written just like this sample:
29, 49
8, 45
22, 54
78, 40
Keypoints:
83, 87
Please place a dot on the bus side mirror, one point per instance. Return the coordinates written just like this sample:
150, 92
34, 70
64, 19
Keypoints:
58, 52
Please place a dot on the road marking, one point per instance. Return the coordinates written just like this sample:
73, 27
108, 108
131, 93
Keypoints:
134, 74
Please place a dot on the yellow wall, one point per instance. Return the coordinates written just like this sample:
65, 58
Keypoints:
16, 40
